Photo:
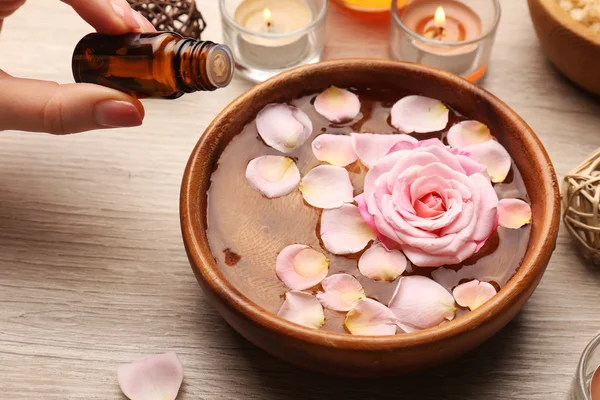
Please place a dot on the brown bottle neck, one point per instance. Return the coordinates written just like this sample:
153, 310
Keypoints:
202, 65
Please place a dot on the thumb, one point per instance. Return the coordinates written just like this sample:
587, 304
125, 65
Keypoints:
39, 106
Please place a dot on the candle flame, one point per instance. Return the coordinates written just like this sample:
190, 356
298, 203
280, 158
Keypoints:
440, 17
267, 14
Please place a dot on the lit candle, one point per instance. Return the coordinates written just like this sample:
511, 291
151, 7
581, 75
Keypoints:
595, 385
270, 19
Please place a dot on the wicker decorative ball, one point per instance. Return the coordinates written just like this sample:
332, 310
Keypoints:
179, 16
581, 206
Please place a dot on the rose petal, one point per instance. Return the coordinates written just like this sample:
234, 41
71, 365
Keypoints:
370, 318
283, 127
421, 303
419, 114
327, 186
468, 133
337, 105
299, 267
494, 156
380, 264
334, 149
303, 309
342, 291
154, 378
473, 294
273, 176
513, 213
343, 231
370, 147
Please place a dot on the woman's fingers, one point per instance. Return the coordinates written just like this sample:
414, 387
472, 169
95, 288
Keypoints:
110, 16
39, 106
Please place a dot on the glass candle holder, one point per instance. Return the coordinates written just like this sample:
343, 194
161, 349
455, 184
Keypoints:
581, 389
453, 35
271, 36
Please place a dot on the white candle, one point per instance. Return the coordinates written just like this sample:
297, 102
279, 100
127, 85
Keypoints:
270, 18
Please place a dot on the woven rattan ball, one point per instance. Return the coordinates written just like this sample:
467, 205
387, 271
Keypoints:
581, 206
179, 16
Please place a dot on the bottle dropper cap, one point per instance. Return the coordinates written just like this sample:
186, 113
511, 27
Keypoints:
220, 66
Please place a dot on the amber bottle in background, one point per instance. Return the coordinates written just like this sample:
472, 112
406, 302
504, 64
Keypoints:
157, 64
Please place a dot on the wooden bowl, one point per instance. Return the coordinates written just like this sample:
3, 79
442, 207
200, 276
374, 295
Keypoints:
344, 354
572, 47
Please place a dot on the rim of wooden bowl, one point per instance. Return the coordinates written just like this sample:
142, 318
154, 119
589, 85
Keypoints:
561, 17
206, 268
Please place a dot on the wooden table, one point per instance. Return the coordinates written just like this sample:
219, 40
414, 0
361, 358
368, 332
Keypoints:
93, 272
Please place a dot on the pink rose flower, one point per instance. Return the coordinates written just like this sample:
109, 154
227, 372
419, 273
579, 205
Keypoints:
434, 203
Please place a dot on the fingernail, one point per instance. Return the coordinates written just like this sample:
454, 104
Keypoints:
143, 22
127, 15
114, 113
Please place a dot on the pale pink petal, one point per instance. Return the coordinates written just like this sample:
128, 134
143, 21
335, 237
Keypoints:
273, 176
473, 294
370, 147
421, 303
380, 264
327, 186
343, 231
303, 309
283, 127
342, 291
337, 105
370, 318
468, 133
300, 267
419, 114
513, 213
494, 156
154, 378
334, 149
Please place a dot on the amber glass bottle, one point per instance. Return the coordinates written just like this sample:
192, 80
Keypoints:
157, 64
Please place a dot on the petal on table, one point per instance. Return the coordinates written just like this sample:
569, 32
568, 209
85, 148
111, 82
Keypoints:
468, 133
283, 127
370, 147
327, 186
299, 267
419, 114
341, 292
154, 378
380, 264
273, 176
370, 318
337, 105
513, 213
303, 309
334, 149
473, 294
494, 156
421, 303
343, 230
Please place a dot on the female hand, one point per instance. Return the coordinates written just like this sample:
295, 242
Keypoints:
40, 106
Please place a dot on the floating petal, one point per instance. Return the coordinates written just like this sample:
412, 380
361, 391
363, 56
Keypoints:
371, 318
468, 133
327, 186
273, 176
154, 378
494, 156
419, 114
337, 105
342, 291
303, 309
370, 147
473, 294
300, 267
283, 127
421, 303
380, 264
513, 213
343, 231
334, 149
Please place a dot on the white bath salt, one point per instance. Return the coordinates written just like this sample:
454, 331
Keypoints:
586, 12
566, 5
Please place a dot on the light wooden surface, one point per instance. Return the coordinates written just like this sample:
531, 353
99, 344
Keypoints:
93, 271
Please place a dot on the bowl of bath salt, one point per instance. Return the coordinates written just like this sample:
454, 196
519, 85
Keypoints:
368, 217
569, 33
